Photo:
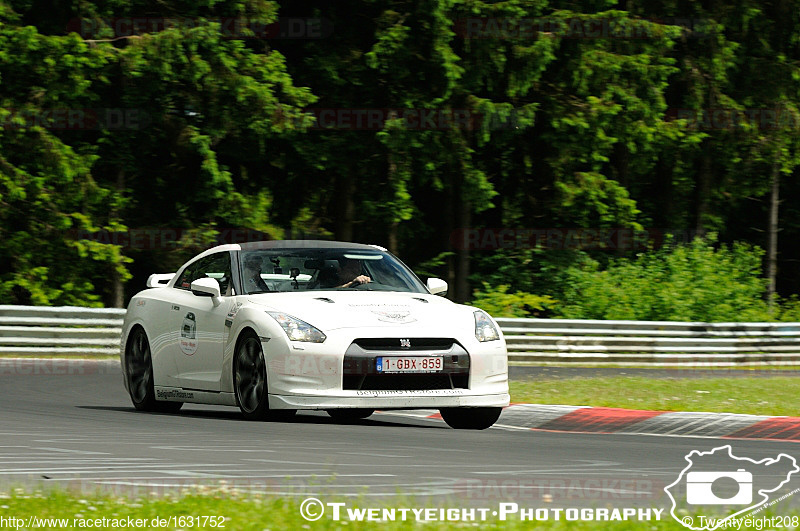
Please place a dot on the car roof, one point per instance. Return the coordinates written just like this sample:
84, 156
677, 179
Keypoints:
285, 244
300, 244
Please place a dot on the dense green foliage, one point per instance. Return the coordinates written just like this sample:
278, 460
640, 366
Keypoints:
693, 282
499, 303
671, 116
696, 281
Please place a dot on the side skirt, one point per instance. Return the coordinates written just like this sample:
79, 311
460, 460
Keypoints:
177, 394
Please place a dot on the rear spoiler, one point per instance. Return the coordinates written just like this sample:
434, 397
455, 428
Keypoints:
159, 280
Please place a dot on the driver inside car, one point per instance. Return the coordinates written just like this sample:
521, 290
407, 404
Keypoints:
350, 273
252, 275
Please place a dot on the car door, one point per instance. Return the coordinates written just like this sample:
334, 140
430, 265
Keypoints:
200, 322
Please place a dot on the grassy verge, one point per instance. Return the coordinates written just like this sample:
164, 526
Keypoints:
229, 510
103, 357
757, 396
754, 367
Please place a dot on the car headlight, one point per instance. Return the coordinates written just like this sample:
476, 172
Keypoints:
298, 330
484, 327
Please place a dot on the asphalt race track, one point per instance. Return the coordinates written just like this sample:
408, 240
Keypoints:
71, 424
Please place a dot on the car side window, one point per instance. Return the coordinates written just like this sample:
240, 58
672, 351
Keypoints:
216, 266
185, 279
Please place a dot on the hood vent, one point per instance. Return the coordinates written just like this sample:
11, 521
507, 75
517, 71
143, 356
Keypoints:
324, 299
420, 299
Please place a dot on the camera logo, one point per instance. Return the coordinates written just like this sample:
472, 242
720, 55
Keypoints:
699, 487
723, 486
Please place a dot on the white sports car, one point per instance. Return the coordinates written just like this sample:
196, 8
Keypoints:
277, 326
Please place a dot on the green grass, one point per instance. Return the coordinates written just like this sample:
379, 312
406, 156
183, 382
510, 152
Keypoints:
756, 366
102, 357
774, 395
254, 512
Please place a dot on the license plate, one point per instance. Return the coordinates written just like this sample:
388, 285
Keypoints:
410, 364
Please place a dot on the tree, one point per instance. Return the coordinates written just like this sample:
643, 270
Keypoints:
207, 107
48, 193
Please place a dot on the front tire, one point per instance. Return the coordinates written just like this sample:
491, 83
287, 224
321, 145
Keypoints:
250, 382
470, 418
139, 373
350, 414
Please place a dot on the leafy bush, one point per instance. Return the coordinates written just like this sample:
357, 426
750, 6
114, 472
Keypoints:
690, 282
699, 281
788, 309
499, 303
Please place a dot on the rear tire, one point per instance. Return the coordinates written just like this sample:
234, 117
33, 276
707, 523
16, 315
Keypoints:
350, 414
470, 418
139, 373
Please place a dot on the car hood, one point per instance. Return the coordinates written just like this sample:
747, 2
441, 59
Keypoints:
329, 310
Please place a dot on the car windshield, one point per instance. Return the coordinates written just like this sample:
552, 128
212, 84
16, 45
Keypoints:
281, 270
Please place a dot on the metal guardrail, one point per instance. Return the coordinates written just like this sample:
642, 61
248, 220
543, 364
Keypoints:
59, 331
651, 342
67, 330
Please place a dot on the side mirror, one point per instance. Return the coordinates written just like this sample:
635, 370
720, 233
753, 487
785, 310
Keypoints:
437, 286
159, 280
206, 287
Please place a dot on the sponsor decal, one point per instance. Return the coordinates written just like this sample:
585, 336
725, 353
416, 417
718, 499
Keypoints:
234, 309
188, 341
424, 392
394, 316
173, 393
389, 313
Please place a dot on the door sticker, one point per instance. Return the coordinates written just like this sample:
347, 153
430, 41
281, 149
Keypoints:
189, 334
234, 309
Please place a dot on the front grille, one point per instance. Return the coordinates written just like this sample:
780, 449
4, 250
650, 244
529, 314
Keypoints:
393, 343
360, 365
405, 382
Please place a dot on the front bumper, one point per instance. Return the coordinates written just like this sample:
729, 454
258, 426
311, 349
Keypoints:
341, 373
391, 400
